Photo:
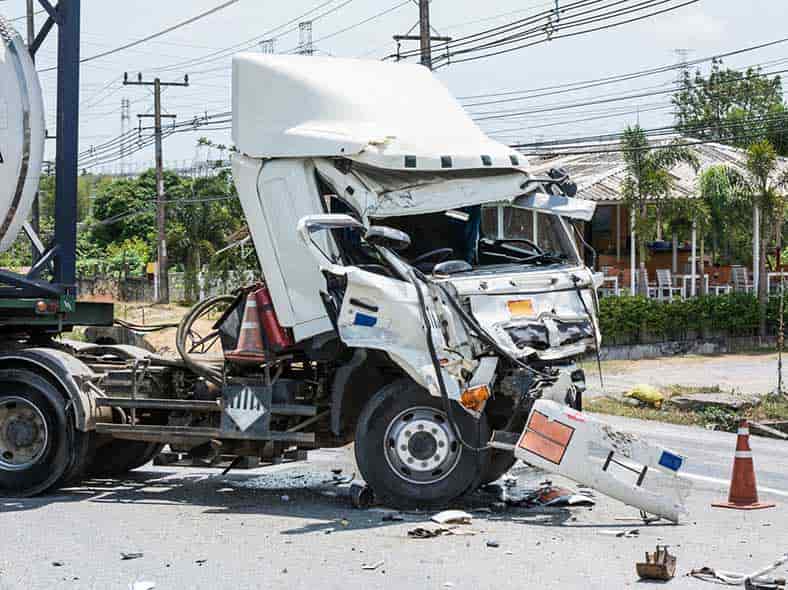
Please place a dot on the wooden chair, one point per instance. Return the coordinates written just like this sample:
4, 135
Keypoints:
666, 286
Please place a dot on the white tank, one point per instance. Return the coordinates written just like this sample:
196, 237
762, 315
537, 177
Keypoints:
22, 133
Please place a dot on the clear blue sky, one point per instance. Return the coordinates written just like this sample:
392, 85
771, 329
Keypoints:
706, 28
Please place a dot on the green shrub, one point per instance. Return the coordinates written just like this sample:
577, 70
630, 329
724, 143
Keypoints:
631, 320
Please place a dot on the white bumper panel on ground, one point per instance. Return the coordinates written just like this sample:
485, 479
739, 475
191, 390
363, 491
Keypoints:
618, 464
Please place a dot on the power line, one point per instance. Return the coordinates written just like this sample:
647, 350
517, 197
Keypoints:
762, 123
545, 25
161, 33
551, 36
253, 41
490, 115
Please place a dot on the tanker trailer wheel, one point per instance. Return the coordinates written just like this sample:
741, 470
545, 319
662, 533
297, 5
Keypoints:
39, 446
407, 451
118, 457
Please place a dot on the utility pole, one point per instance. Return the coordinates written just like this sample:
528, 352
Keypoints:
163, 291
425, 36
425, 39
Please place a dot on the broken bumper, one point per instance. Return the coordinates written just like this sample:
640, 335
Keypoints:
618, 464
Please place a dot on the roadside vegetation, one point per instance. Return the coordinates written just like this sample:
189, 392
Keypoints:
717, 418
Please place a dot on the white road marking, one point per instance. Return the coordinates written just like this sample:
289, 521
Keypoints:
726, 483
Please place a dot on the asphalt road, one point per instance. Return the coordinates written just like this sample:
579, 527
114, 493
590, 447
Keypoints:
290, 527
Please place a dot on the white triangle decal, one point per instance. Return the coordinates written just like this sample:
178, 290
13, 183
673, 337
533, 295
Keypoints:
245, 409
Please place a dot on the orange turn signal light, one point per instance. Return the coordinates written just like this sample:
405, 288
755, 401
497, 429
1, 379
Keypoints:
473, 398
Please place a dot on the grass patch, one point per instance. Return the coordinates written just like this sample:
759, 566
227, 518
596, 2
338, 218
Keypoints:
721, 418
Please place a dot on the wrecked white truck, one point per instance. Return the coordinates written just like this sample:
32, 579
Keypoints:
424, 298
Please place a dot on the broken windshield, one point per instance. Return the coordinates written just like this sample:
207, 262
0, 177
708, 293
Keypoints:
513, 234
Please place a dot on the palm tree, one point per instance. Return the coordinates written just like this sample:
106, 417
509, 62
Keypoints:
761, 184
648, 180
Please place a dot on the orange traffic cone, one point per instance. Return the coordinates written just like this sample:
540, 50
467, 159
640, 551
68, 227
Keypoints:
250, 338
744, 490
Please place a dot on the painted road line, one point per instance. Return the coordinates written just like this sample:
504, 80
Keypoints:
726, 483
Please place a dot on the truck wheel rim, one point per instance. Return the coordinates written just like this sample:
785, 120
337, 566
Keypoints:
23, 434
420, 446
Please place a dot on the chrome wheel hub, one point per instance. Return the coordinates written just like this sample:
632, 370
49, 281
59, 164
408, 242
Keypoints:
420, 446
23, 434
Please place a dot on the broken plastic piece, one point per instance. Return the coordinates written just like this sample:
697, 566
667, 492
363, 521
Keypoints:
452, 517
372, 566
556, 496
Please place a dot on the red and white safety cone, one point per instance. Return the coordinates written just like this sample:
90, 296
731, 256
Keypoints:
250, 338
744, 489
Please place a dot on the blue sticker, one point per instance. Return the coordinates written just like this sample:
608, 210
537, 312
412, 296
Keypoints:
365, 320
670, 461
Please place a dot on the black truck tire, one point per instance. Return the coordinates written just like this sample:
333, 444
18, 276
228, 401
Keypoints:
40, 448
118, 457
407, 452
500, 463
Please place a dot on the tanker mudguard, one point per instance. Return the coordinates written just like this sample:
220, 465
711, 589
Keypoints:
68, 373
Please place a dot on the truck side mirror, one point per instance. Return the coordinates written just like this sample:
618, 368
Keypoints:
387, 237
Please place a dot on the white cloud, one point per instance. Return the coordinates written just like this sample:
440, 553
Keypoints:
690, 27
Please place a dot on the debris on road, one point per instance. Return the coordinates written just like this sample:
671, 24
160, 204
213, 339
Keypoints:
58, 564
625, 534
452, 517
425, 533
361, 495
660, 565
493, 544
201, 562
130, 556
754, 581
557, 496
372, 566
422, 533
546, 494
509, 481
142, 585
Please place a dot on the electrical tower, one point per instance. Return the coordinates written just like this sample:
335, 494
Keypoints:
125, 118
268, 46
681, 73
681, 60
305, 46
425, 36
162, 278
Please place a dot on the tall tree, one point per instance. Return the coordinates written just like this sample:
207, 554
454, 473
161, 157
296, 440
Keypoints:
731, 106
762, 184
648, 181
200, 223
